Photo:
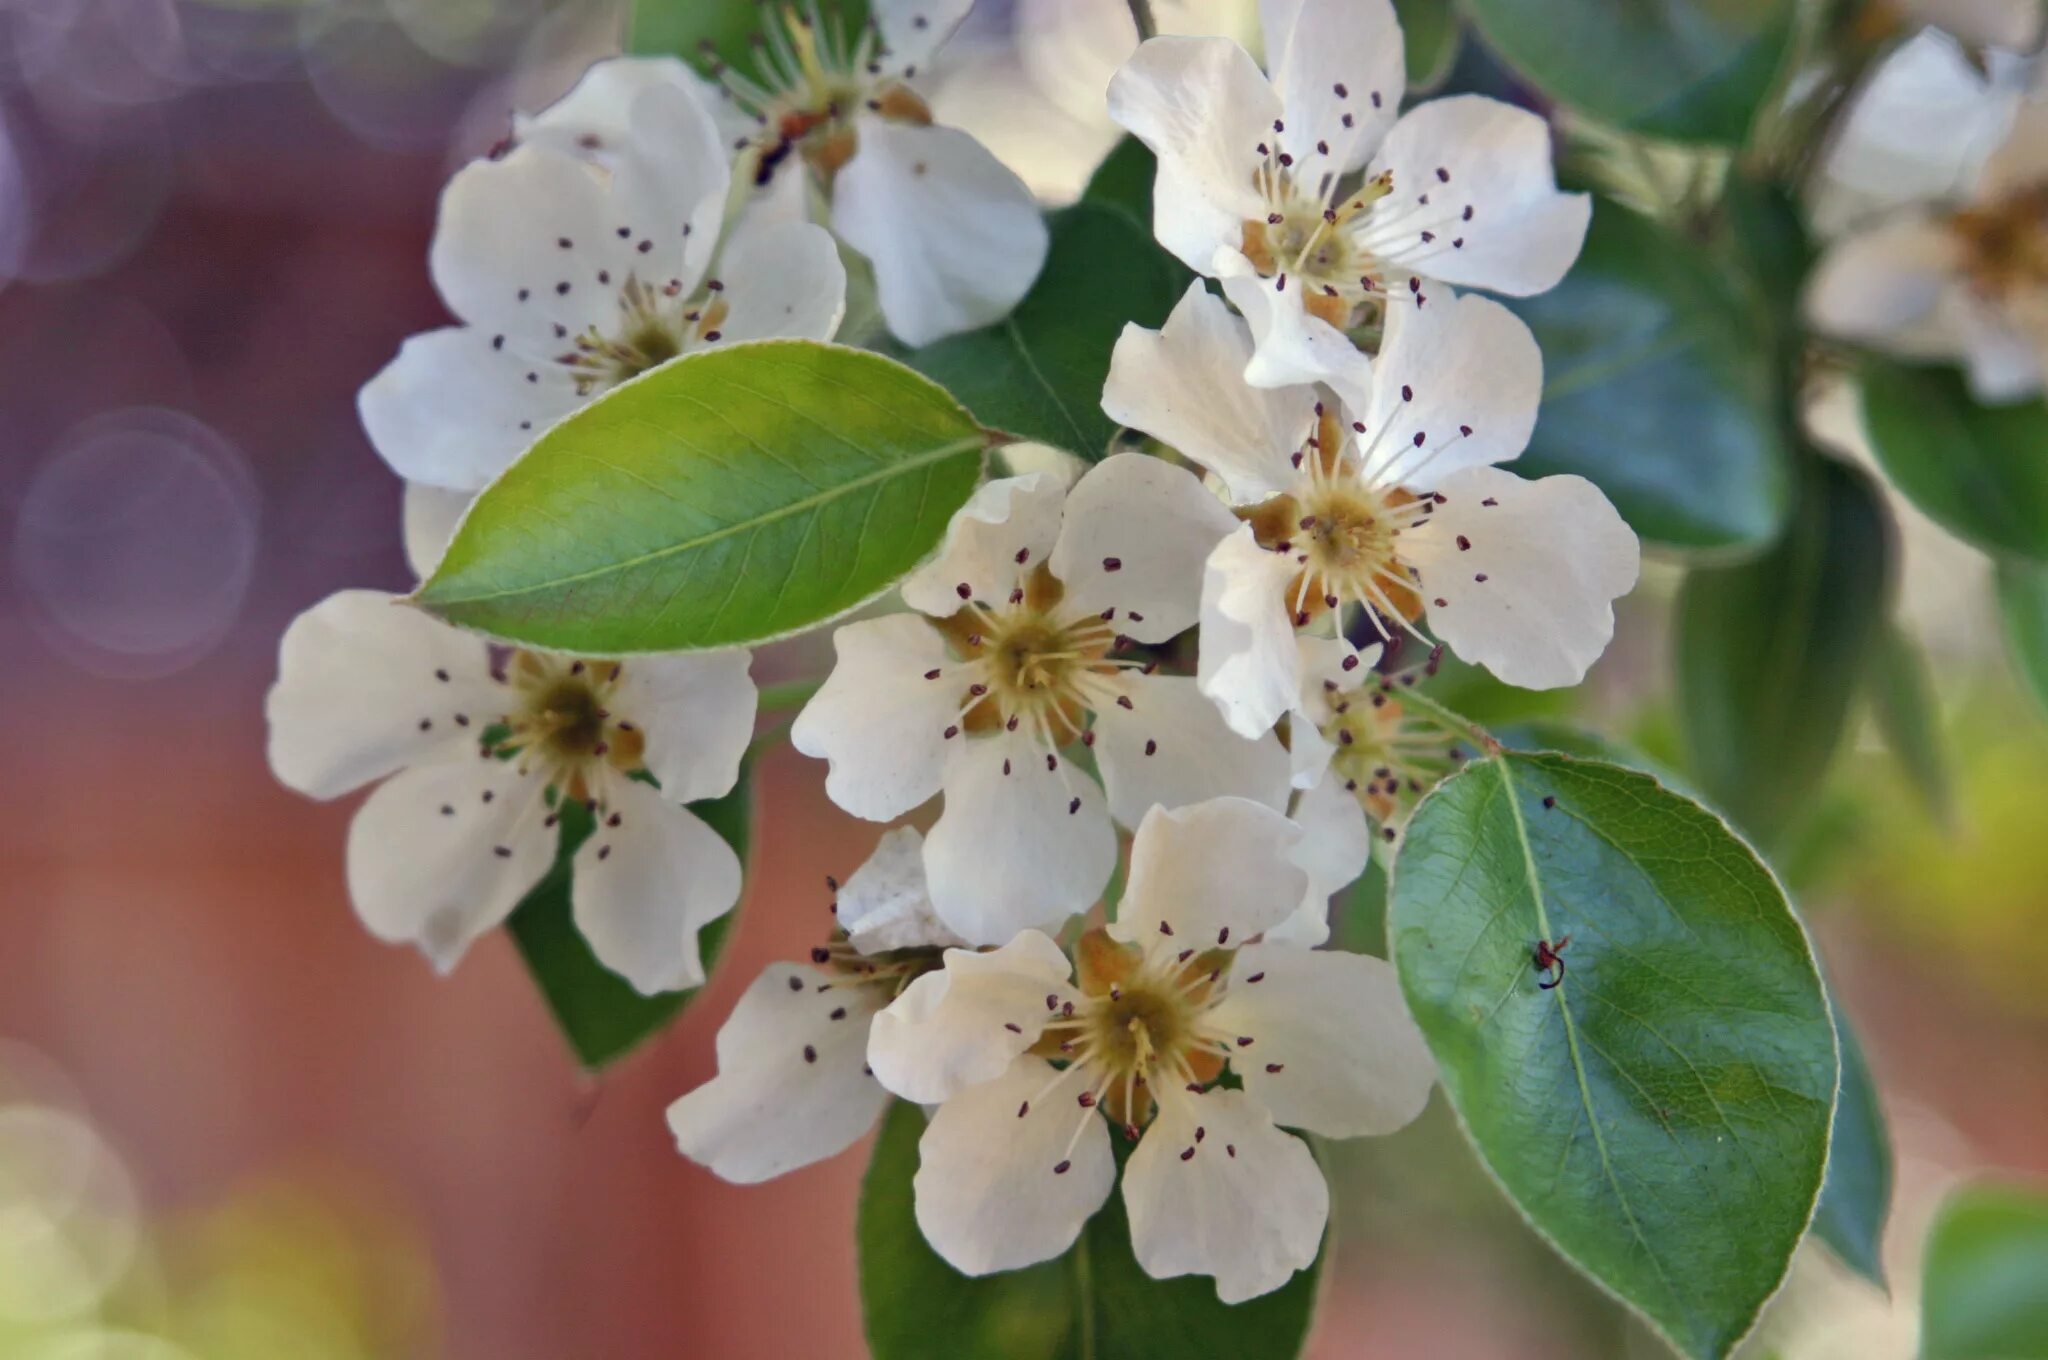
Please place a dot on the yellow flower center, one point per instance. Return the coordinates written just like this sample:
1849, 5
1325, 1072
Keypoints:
655, 325
1036, 668
562, 722
2005, 244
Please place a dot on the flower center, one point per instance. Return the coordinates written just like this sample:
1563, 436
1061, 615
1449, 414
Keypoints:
1321, 240
562, 722
1033, 666
2005, 244
1385, 758
1343, 532
655, 325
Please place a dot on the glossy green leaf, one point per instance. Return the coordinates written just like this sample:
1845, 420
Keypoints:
601, 1014
1984, 1290
2023, 605
1038, 373
1655, 389
1771, 652
1978, 471
1661, 1115
1688, 70
1856, 1198
725, 498
1091, 1304
1430, 34
683, 27
1909, 715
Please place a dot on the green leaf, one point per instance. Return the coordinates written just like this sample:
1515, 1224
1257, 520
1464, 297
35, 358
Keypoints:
725, 498
1770, 653
682, 28
1656, 390
1978, 471
1038, 373
1680, 69
2023, 604
601, 1014
1984, 1292
1903, 700
1430, 36
1857, 1195
1094, 1303
1661, 1115
1124, 181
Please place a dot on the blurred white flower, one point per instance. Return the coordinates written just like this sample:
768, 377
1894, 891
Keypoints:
1307, 189
2014, 25
480, 763
1010, 662
1020, 1049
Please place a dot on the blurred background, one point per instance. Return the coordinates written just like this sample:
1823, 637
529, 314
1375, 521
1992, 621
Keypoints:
234, 1125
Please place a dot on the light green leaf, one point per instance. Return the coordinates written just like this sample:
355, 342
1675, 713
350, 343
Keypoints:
601, 1014
1430, 34
1978, 471
1770, 653
1857, 1195
1038, 373
1655, 389
1662, 1114
1094, 1303
1984, 1293
2023, 605
724, 498
1908, 713
683, 27
1679, 69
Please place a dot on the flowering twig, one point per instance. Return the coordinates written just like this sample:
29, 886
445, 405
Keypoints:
1141, 13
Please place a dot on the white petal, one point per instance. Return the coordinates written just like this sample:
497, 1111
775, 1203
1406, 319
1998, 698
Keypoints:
591, 120
1134, 537
792, 1085
1454, 364
1248, 663
784, 279
988, 1197
878, 721
912, 30
1315, 47
886, 905
953, 234
1018, 845
669, 191
2011, 24
1468, 150
1001, 520
1248, 1207
1336, 845
648, 879
1171, 747
967, 1023
359, 693
1350, 1060
2021, 161
697, 714
1054, 149
1531, 597
1885, 285
453, 411
1184, 385
439, 854
2002, 361
1292, 347
430, 515
1216, 873
1203, 106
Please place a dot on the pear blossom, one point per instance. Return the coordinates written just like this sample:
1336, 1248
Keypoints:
477, 760
1032, 1060
1393, 505
1948, 258
569, 279
793, 1085
1009, 663
1317, 201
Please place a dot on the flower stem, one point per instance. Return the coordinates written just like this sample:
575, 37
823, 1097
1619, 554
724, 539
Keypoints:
1444, 718
1141, 14
781, 698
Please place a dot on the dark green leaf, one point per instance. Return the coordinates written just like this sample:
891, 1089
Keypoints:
1124, 181
682, 28
1857, 1195
2023, 604
1549, 734
1094, 1303
1978, 471
601, 1014
1662, 1114
725, 498
1678, 69
1656, 390
1430, 34
1770, 653
1984, 1293
1902, 697
1038, 374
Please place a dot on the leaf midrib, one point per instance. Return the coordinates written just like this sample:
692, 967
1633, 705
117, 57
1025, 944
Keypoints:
427, 594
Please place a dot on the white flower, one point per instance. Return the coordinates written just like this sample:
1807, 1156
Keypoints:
793, 1085
570, 279
446, 846
1009, 664
1260, 180
1943, 171
1398, 510
1021, 1052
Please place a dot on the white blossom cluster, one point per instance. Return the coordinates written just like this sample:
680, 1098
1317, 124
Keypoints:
1177, 659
